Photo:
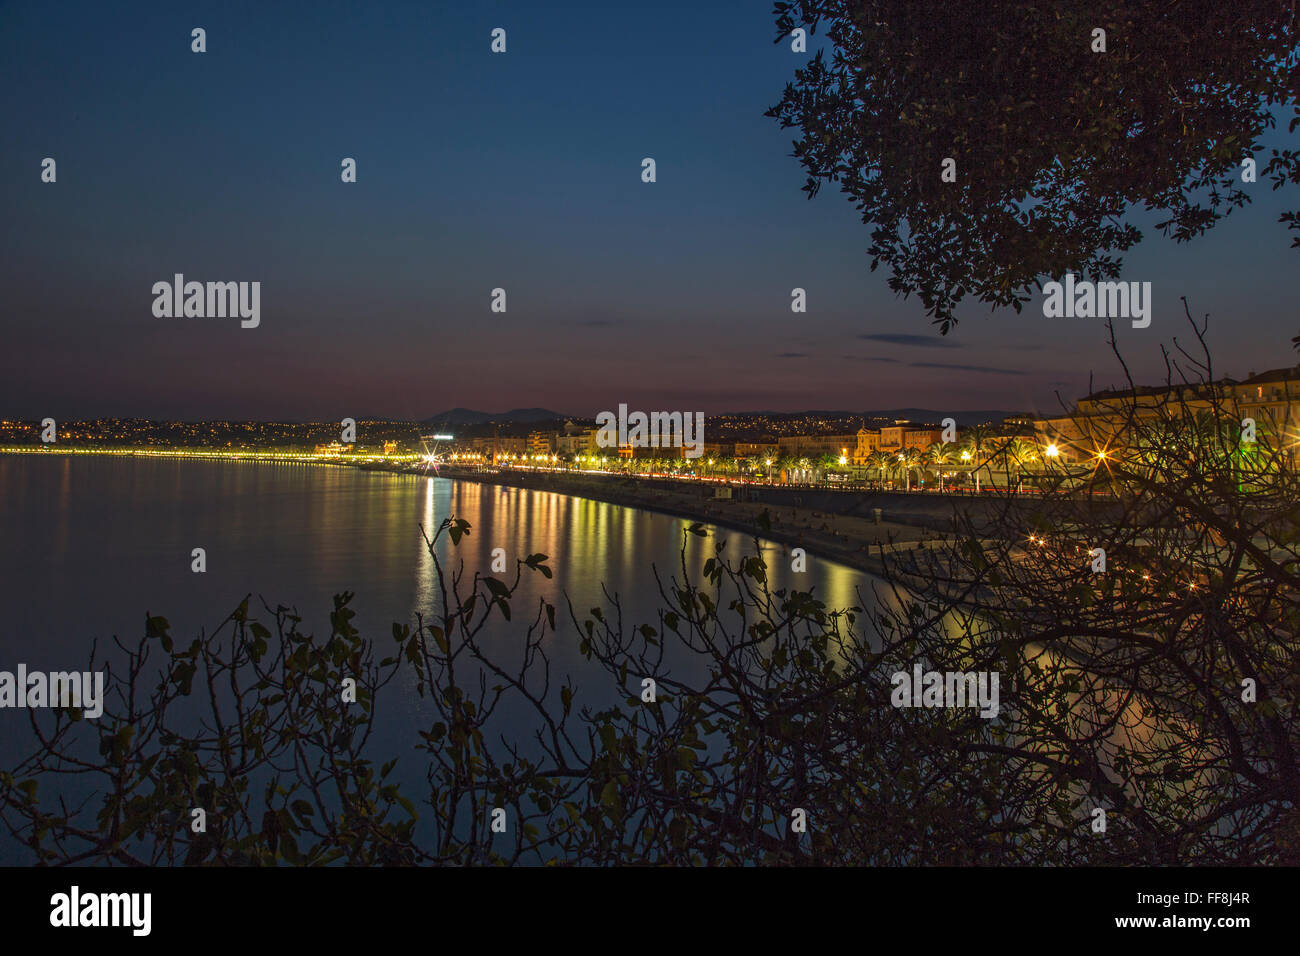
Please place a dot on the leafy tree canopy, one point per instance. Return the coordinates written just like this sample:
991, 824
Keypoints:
1055, 143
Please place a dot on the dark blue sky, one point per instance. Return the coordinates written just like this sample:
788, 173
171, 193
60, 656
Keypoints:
477, 170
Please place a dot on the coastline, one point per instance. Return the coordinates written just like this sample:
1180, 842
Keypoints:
835, 526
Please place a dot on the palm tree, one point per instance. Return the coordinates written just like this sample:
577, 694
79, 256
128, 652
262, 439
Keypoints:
909, 458
1019, 452
939, 455
880, 461
977, 441
780, 464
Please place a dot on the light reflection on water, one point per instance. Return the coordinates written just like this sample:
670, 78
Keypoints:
89, 545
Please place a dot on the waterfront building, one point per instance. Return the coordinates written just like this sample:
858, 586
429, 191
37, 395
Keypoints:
757, 450
1105, 419
922, 438
903, 435
868, 443
816, 446
542, 443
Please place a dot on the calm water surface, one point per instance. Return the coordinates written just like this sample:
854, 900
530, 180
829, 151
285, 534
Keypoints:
89, 546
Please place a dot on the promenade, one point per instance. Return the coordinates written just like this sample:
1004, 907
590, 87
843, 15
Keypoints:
836, 525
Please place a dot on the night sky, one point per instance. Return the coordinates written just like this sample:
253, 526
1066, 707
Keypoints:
476, 171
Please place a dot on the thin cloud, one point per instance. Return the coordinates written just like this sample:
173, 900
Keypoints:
870, 358
920, 341
793, 355
968, 368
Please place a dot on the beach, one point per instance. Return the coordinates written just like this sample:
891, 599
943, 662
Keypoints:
837, 525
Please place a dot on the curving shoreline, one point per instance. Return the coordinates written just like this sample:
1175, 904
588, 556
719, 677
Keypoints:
837, 526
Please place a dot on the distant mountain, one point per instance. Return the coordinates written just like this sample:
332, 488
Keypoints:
918, 415
930, 415
467, 416
459, 417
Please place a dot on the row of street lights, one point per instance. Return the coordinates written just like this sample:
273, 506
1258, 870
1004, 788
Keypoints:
1051, 450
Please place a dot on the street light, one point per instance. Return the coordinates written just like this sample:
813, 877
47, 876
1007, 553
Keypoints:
1051, 450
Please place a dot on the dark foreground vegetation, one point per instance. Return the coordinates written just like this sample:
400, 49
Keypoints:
1147, 706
